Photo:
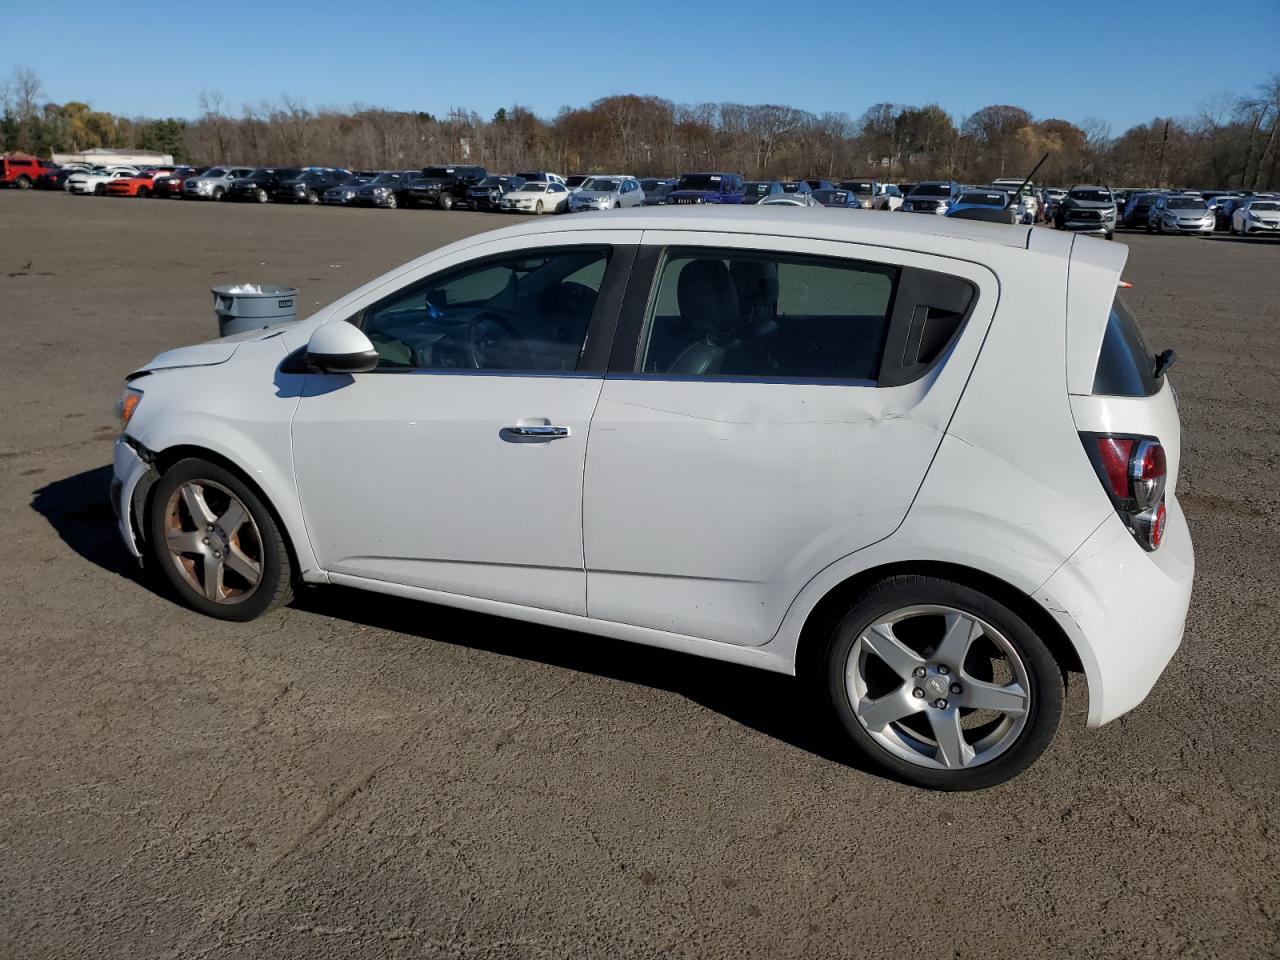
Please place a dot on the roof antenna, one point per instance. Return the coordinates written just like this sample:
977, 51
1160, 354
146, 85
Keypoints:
1017, 193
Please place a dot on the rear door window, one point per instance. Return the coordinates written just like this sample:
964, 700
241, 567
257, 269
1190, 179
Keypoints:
733, 313
1126, 365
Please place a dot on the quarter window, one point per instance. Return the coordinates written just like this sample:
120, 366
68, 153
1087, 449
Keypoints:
524, 311
747, 314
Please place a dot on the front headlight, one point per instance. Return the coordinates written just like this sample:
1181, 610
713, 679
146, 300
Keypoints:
126, 406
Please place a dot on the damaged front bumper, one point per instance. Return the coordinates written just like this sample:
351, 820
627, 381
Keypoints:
133, 476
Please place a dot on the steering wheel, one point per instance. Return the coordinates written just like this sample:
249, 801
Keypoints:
490, 333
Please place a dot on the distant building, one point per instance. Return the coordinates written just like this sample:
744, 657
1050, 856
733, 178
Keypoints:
101, 156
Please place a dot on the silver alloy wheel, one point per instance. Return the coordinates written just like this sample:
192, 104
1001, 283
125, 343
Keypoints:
923, 703
213, 542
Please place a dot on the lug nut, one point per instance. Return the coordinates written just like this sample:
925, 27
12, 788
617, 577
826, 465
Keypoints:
917, 693
940, 704
955, 688
205, 541
918, 672
209, 528
943, 669
217, 555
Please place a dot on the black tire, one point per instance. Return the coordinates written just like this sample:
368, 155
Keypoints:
100, 190
313, 197
23, 182
445, 201
142, 192
219, 193
1044, 677
274, 589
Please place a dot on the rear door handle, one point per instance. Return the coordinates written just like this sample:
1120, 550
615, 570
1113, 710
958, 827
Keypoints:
538, 431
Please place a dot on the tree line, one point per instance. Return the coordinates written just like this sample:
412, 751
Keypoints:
1228, 141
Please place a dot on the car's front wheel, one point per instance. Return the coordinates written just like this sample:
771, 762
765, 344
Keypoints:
217, 543
942, 685
445, 201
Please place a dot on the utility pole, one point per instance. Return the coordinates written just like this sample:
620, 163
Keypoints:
1163, 141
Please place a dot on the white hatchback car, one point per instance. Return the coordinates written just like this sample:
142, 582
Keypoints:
927, 464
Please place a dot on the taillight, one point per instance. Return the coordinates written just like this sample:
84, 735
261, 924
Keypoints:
1133, 471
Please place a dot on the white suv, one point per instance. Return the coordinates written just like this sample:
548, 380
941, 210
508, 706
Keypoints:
928, 465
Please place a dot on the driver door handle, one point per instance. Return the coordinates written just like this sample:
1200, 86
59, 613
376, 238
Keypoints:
540, 431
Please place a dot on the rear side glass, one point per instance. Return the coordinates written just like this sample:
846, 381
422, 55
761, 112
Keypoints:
1126, 365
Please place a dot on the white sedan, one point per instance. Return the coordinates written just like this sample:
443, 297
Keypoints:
95, 180
537, 196
1257, 215
813, 445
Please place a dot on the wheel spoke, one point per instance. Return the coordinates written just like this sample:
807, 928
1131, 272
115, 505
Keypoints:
212, 578
184, 541
892, 706
238, 563
961, 631
1010, 700
901, 659
233, 517
193, 497
952, 749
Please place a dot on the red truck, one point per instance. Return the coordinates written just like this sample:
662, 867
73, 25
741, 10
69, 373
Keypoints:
20, 170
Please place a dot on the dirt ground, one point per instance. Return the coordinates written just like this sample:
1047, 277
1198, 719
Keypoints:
360, 777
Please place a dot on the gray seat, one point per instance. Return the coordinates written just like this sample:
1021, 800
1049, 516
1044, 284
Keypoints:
709, 305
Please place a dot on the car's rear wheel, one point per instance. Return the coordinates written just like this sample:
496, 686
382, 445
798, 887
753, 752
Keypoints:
942, 685
217, 543
100, 190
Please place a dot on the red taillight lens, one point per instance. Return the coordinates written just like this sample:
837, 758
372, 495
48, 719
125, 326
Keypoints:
1133, 471
1114, 453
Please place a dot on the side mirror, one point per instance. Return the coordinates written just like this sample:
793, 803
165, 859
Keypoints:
339, 347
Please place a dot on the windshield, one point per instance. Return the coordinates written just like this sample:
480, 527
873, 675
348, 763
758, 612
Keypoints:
858, 186
831, 196
758, 189
1266, 205
1186, 203
603, 184
577, 181
216, 172
1091, 196
984, 199
387, 177
661, 189
699, 181
793, 187
536, 187
932, 190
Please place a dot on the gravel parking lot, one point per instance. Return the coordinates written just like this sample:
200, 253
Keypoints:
359, 776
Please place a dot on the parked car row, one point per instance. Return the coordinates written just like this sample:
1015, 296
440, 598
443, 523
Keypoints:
1095, 209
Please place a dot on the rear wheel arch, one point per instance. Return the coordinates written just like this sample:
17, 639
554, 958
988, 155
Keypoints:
829, 610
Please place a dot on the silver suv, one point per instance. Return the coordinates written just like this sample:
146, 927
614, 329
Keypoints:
607, 193
213, 184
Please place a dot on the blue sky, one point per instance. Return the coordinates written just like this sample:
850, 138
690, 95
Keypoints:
1127, 61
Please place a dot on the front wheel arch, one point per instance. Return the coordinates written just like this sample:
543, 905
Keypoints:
828, 611
172, 455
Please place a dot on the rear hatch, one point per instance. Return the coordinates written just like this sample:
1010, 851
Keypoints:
1124, 406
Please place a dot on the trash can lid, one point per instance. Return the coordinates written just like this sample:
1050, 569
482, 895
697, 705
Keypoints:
254, 290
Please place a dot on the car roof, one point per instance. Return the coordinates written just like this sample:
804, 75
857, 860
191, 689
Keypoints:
869, 227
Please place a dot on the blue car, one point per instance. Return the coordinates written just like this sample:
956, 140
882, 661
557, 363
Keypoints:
708, 188
838, 198
757, 190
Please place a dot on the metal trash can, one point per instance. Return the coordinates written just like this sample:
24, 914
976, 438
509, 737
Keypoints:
253, 306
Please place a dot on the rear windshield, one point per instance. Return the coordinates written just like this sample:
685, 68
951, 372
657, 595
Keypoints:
1126, 365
